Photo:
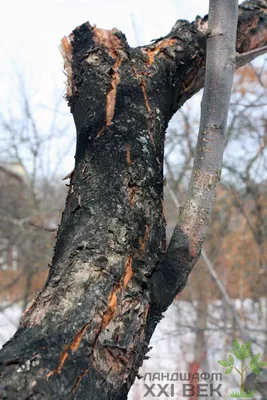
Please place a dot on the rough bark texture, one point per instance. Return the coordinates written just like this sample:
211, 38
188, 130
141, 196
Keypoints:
87, 332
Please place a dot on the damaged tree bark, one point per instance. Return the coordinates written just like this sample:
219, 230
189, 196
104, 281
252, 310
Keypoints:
87, 332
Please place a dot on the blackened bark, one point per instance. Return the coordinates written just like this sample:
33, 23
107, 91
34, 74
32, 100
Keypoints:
87, 332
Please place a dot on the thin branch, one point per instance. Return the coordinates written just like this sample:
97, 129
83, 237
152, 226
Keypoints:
244, 58
186, 243
53, 230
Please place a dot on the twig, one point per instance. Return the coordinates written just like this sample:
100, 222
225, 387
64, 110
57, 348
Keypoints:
244, 58
53, 230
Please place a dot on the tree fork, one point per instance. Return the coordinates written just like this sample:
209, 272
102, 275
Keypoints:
87, 332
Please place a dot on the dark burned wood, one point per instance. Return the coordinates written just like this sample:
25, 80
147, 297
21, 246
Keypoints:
87, 332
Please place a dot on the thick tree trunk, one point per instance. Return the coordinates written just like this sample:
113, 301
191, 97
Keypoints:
88, 330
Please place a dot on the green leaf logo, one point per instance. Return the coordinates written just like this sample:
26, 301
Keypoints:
231, 359
236, 344
224, 363
228, 370
242, 352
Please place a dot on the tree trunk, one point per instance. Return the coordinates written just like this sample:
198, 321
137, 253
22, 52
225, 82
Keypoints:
87, 332
200, 361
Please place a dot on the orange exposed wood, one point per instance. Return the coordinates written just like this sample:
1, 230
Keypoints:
78, 380
141, 78
66, 51
29, 307
146, 312
128, 271
73, 347
152, 52
108, 39
143, 86
101, 131
62, 360
112, 44
111, 309
132, 192
143, 240
111, 96
128, 154
113, 296
66, 47
77, 340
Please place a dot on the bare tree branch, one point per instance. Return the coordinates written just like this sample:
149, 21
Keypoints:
189, 234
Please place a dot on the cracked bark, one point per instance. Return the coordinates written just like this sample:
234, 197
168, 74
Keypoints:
87, 332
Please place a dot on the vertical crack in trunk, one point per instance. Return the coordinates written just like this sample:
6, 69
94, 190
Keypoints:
111, 43
73, 347
142, 82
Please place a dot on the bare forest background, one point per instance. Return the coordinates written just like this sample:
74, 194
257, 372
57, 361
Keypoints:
226, 292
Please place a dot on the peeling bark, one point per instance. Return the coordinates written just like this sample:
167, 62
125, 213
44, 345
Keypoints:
87, 332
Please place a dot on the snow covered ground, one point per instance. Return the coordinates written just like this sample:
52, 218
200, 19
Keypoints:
9, 320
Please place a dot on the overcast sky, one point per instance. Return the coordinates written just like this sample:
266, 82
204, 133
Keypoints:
31, 31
